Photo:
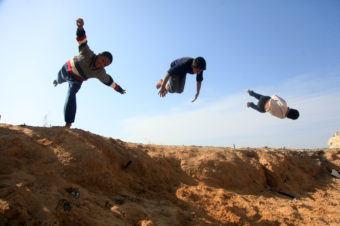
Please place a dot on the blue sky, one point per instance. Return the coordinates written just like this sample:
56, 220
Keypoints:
284, 47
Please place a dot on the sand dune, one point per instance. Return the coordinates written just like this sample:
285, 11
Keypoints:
57, 176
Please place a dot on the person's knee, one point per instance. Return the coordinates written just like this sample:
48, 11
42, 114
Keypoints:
180, 89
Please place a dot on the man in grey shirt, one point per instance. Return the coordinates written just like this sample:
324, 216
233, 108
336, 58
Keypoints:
80, 68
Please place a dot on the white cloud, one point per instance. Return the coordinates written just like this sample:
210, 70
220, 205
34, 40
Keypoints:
228, 121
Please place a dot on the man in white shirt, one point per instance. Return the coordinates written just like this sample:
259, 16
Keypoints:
274, 105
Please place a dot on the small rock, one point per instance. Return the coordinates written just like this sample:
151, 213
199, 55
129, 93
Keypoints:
334, 142
67, 206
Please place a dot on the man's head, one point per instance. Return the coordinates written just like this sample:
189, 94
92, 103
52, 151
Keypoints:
199, 65
293, 114
103, 59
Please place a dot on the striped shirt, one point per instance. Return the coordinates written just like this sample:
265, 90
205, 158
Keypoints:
82, 66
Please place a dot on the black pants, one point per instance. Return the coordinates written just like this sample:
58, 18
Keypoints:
177, 83
262, 101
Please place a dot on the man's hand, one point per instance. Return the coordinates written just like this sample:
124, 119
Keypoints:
123, 91
80, 23
199, 84
195, 97
162, 92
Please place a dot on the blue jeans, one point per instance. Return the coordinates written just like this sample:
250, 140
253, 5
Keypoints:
70, 106
74, 85
262, 101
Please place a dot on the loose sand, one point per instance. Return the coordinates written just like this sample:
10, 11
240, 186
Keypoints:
57, 176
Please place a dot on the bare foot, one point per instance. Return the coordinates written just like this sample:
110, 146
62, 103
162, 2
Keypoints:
68, 125
248, 91
159, 83
55, 83
248, 104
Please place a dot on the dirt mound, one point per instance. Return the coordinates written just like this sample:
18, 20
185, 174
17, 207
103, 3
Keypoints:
57, 176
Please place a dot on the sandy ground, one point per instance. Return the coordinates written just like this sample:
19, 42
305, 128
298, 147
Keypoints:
57, 176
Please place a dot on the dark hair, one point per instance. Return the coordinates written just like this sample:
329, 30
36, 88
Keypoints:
108, 55
293, 114
199, 63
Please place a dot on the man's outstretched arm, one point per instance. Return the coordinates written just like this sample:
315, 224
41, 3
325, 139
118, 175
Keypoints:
199, 84
81, 35
117, 87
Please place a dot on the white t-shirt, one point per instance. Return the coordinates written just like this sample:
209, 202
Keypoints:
277, 107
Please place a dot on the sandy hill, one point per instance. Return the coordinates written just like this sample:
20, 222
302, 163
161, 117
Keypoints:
57, 176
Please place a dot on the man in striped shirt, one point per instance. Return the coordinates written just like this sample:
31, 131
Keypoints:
80, 68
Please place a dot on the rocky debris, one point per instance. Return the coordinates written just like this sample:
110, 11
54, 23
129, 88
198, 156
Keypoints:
334, 141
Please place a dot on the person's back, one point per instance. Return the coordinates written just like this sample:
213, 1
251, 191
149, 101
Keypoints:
275, 105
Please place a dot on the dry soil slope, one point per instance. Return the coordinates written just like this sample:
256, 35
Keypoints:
57, 176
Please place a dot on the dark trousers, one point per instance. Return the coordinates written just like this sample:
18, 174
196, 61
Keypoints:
177, 83
74, 85
70, 106
262, 101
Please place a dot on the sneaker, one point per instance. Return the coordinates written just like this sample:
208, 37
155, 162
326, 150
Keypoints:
159, 83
